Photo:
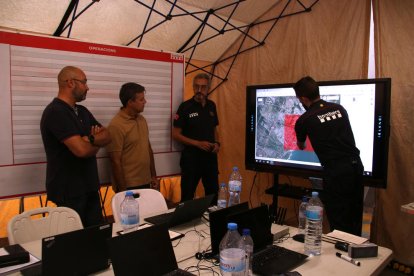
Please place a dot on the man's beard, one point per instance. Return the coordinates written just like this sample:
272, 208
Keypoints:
78, 95
200, 96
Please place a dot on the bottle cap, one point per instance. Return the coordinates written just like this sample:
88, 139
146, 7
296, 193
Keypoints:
129, 193
235, 168
314, 194
232, 226
223, 184
246, 232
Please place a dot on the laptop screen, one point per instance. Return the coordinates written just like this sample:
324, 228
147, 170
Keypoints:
184, 212
258, 221
218, 223
143, 252
78, 252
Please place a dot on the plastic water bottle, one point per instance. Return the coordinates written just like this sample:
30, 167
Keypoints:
222, 196
235, 184
247, 240
313, 231
302, 216
232, 253
129, 212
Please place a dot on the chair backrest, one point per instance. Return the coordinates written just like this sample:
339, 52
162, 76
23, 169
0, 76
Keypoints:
150, 202
48, 222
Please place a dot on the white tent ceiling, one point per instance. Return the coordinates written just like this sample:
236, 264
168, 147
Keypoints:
201, 29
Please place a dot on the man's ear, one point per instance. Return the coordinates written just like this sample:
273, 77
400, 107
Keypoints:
70, 83
305, 101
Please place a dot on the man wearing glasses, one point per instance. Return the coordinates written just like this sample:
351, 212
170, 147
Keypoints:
195, 126
72, 137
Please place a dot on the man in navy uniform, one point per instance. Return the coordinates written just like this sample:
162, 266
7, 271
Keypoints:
195, 126
329, 130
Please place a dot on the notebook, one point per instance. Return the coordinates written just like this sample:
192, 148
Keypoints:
268, 259
79, 252
218, 224
144, 252
184, 212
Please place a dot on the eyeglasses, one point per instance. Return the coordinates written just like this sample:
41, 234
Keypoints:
81, 81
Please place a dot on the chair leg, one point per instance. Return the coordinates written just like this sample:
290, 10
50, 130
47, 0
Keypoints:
103, 204
21, 205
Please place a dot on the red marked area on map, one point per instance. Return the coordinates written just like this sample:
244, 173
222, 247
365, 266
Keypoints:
290, 135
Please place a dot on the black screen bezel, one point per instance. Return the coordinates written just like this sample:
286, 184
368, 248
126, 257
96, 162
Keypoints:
380, 145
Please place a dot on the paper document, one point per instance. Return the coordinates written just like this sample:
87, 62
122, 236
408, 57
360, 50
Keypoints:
173, 235
343, 236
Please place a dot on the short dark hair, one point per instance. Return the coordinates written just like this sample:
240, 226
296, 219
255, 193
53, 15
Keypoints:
203, 76
307, 87
128, 92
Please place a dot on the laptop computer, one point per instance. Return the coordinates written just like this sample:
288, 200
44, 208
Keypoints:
184, 212
79, 252
268, 259
147, 251
218, 224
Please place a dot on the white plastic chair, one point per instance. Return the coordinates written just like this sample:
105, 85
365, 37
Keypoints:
150, 202
51, 221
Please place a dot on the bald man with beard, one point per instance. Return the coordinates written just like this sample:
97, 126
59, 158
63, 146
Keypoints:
72, 137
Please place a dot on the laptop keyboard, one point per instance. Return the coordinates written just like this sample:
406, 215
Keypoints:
279, 258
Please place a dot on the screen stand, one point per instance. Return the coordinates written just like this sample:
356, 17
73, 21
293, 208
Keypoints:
277, 215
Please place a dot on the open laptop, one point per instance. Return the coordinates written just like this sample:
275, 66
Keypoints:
184, 212
79, 252
144, 252
218, 224
268, 259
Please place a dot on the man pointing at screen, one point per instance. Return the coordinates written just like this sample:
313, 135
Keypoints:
329, 130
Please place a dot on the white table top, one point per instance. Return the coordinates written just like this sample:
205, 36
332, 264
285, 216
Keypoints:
197, 239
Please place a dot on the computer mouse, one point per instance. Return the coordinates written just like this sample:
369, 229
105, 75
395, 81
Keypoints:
299, 237
343, 246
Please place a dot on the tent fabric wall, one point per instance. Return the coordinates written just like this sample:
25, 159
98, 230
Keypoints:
331, 42
394, 55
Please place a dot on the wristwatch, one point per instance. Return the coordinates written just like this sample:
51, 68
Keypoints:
91, 139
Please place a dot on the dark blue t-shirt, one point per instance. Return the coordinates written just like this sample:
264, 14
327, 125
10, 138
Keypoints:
67, 175
329, 130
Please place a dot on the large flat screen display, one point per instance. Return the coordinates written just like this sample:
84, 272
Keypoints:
271, 113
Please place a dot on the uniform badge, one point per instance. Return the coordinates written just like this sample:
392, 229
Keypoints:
176, 117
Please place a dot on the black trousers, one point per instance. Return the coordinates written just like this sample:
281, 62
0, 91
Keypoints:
88, 207
343, 194
195, 167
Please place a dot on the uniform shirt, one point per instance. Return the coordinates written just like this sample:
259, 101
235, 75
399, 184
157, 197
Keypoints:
196, 121
329, 130
66, 174
130, 136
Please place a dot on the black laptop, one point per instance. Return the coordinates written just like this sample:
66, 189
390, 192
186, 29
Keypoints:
184, 212
268, 259
144, 252
79, 252
218, 224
